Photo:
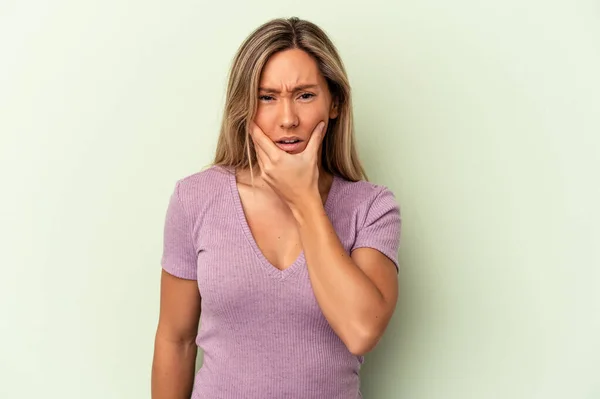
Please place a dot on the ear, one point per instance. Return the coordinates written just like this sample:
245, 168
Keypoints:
334, 110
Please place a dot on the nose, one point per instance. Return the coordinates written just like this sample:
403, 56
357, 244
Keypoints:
288, 115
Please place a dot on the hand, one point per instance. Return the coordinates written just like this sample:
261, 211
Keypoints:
295, 177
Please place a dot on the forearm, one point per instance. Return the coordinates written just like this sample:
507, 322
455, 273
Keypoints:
173, 369
349, 300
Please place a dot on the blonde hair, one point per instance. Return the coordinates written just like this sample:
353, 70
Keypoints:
235, 148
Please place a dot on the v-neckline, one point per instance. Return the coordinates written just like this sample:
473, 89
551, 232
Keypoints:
271, 269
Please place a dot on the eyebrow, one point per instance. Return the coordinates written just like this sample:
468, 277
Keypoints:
297, 88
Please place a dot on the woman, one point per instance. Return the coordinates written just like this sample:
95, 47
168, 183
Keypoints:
288, 250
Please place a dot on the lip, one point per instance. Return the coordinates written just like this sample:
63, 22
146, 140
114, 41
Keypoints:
289, 138
290, 148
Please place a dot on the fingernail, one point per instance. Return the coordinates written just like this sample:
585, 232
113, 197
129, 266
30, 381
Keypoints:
321, 126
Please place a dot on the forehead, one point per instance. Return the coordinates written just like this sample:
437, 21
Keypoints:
290, 67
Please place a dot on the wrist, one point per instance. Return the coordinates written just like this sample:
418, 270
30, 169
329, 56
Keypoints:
305, 209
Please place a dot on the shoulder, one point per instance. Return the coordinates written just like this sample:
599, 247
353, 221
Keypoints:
363, 194
203, 187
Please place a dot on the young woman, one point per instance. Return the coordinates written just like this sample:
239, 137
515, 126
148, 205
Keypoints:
282, 245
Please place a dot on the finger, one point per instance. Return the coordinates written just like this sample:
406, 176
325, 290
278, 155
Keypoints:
316, 138
261, 141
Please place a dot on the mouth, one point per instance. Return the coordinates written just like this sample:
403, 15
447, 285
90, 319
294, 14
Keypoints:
290, 145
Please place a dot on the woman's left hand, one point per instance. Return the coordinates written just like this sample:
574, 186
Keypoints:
295, 177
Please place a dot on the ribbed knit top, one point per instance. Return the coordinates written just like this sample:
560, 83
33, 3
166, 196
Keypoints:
262, 331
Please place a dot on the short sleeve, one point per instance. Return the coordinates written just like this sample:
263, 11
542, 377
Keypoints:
381, 227
179, 253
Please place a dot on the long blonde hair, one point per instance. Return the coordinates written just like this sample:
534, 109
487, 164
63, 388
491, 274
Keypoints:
235, 148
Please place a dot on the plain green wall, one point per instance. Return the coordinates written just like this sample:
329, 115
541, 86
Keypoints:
482, 117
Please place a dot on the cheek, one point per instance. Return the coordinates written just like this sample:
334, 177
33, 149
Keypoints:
314, 113
266, 120
262, 116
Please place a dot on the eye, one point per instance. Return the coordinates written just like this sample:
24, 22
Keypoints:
265, 98
306, 96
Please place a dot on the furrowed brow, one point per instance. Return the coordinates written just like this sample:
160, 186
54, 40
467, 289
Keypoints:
297, 88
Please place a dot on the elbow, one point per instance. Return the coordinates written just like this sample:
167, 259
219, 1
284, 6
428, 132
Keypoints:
362, 341
362, 333
175, 337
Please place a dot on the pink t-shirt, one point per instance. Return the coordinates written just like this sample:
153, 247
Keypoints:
262, 331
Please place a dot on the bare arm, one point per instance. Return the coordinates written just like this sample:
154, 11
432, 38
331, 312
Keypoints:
356, 293
174, 347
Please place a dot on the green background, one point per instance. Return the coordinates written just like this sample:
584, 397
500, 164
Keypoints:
482, 117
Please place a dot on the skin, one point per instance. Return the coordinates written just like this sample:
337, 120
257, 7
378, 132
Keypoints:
357, 293
174, 344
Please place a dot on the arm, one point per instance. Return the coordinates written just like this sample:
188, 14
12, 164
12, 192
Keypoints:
356, 293
175, 348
